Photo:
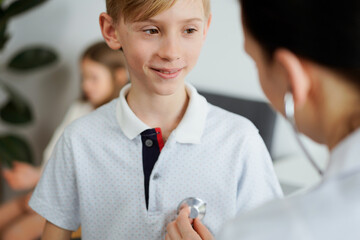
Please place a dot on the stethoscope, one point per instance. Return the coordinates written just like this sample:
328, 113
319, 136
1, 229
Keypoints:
290, 116
198, 207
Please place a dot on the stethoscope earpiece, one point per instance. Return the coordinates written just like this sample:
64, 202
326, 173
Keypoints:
289, 108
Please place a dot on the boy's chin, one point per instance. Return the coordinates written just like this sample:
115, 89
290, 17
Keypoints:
169, 88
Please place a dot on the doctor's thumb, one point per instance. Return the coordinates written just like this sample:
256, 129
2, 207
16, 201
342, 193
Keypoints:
203, 232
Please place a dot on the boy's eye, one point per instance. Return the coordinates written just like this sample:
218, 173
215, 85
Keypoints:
151, 31
190, 30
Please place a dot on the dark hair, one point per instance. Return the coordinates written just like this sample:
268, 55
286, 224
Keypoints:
324, 31
112, 59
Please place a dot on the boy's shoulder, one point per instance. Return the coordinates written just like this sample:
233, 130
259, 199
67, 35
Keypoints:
98, 120
220, 118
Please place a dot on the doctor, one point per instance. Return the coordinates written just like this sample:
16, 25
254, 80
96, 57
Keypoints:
308, 58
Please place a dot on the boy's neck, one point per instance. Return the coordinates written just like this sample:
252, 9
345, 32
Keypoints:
155, 110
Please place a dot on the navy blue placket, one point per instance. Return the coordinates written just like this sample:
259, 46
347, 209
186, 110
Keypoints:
150, 153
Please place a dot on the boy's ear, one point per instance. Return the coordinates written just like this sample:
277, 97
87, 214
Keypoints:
298, 77
109, 32
207, 25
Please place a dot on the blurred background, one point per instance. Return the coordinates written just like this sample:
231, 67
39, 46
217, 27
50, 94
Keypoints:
67, 27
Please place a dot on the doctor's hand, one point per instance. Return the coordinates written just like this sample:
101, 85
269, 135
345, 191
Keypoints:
181, 228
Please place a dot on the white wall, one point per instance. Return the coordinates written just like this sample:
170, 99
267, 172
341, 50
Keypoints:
70, 26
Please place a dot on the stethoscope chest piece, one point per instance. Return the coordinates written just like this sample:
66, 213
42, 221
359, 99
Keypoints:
197, 207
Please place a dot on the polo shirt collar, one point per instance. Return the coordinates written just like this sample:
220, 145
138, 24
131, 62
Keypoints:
189, 130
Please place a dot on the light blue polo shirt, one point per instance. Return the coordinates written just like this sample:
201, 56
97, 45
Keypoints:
95, 175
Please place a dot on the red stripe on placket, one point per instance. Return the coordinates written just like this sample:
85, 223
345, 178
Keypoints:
159, 138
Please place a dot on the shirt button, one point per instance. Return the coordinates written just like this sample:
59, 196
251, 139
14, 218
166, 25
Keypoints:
149, 143
156, 176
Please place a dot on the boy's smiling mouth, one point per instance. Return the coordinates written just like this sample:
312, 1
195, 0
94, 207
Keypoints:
167, 73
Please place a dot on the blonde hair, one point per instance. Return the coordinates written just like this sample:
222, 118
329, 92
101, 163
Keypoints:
140, 10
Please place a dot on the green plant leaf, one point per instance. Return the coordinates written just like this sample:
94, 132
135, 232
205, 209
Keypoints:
16, 110
32, 58
14, 148
18, 7
4, 37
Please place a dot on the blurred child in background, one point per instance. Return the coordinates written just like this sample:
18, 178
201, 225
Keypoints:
103, 75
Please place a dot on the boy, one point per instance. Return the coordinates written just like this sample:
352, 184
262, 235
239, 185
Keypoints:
112, 171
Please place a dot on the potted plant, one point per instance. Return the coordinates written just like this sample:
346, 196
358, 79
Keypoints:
16, 110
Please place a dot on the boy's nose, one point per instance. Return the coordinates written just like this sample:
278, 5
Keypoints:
170, 49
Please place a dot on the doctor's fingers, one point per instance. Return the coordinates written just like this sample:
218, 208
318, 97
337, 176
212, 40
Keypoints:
200, 228
172, 232
184, 226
